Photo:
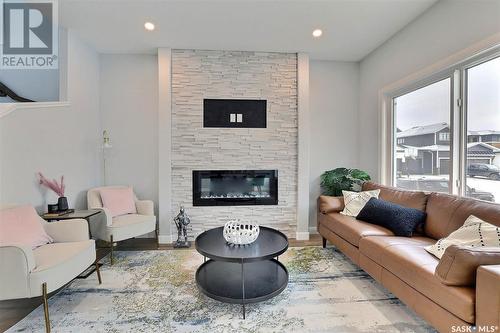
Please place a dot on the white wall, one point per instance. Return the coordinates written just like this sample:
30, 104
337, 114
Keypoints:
333, 97
57, 140
446, 28
129, 109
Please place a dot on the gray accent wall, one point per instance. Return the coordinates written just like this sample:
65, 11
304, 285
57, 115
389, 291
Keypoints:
200, 74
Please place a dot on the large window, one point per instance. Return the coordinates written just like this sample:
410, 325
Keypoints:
446, 132
422, 130
483, 131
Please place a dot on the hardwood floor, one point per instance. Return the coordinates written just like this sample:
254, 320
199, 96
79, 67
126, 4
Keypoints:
12, 311
314, 240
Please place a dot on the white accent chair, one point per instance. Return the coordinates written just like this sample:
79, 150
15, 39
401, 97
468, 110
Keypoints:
28, 273
118, 228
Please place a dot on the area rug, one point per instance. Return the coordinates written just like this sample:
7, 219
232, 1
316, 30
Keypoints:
155, 291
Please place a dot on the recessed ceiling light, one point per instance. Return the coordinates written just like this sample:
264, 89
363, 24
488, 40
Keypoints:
317, 33
149, 26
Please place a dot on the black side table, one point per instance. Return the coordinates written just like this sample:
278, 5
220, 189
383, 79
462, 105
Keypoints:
77, 214
242, 274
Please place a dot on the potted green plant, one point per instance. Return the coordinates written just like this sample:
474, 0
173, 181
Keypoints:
336, 180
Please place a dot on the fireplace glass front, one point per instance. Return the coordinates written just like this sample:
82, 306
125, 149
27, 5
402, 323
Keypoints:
235, 187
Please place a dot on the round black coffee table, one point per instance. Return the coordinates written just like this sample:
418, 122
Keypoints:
242, 274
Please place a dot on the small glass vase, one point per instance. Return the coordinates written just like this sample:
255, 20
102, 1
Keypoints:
62, 204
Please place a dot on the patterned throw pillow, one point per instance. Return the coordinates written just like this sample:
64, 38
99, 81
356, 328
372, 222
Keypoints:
355, 201
474, 233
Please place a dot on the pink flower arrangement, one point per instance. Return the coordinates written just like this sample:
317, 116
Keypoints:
53, 185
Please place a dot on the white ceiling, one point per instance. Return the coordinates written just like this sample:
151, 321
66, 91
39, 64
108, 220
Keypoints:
351, 28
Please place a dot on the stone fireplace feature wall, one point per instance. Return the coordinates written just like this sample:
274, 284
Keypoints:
200, 74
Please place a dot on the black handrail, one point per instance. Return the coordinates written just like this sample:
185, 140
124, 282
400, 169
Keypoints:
6, 91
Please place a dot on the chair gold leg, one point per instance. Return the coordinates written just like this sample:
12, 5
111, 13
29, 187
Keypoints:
98, 272
157, 237
46, 307
111, 255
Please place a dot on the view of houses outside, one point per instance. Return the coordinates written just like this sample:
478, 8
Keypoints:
483, 125
423, 136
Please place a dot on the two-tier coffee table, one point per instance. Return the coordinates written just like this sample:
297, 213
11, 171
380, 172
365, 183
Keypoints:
242, 274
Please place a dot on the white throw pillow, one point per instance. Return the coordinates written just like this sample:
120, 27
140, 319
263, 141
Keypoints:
355, 201
475, 233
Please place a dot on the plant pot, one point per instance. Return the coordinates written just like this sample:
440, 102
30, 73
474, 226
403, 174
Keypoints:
62, 202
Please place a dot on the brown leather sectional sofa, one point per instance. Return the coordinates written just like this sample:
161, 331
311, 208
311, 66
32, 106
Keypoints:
405, 268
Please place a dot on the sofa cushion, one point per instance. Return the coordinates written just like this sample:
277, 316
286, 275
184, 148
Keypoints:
446, 213
475, 232
458, 265
131, 225
407, 259
328, 204
402, 221
350, 229
375, 248
341, 244
59, 263
411, 199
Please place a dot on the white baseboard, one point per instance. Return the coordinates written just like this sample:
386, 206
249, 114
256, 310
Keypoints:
313, 230
302, 235
165, 239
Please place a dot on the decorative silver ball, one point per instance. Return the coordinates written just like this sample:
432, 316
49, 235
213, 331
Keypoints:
240, 233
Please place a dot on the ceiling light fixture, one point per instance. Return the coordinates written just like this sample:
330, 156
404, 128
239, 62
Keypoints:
317, 33
149, 26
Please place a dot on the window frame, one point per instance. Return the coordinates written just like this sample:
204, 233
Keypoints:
441, 76
475, 61
457, 73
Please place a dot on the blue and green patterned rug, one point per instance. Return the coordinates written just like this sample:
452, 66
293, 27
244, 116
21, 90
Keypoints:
155, 291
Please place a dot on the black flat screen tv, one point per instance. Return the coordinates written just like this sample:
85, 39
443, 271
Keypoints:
237, 113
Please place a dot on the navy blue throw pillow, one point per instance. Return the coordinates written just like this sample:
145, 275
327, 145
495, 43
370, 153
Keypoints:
402, 221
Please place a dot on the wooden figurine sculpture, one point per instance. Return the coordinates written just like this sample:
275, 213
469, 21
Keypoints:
181, 222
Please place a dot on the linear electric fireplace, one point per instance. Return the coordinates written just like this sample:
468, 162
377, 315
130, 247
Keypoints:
235, 187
